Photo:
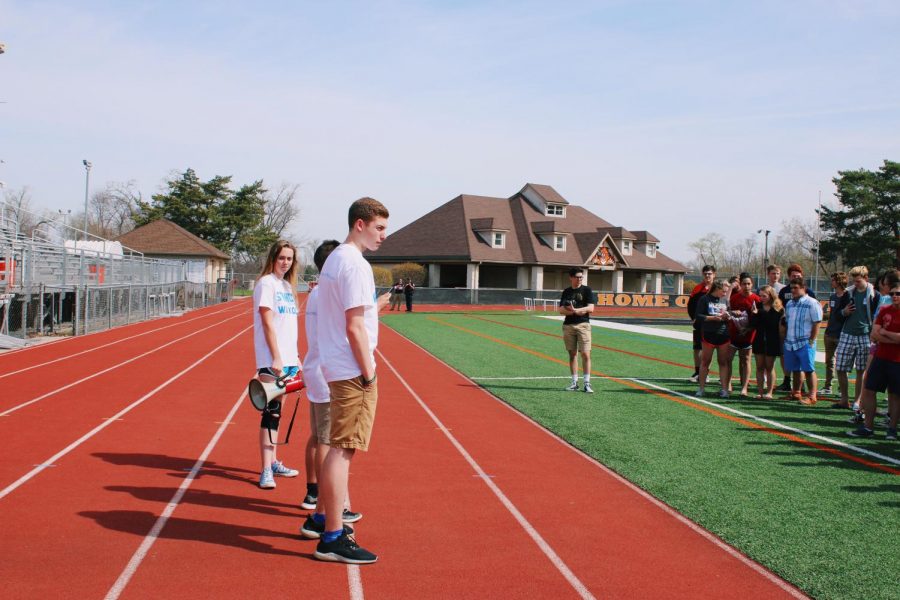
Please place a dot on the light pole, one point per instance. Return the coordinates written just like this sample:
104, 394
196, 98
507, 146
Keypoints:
87, 184
766, 251
65, 216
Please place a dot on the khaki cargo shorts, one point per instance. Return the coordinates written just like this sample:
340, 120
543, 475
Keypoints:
577, 337
352, 413
320, 421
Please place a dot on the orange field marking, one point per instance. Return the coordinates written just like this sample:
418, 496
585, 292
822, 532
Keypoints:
619, 350
782, 434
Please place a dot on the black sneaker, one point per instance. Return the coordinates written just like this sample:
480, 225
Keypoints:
309, 502
312, 530
785, 386
350, 517
861, 432
344, 549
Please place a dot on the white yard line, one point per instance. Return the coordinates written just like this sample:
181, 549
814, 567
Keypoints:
98, 373
654, 331
775, 424
554, 558
568, 377
52, 460
131, 568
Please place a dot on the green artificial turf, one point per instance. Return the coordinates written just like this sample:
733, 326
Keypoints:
825, 523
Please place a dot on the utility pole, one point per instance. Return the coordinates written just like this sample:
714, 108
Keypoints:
87, 185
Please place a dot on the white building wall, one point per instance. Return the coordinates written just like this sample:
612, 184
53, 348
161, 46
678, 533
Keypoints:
537, 277
472, 275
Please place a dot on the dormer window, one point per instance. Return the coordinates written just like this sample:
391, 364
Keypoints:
651, 250
559, 242
499, 240
626, 247
556, 210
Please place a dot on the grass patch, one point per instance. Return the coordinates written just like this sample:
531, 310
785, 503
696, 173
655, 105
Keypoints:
827, 524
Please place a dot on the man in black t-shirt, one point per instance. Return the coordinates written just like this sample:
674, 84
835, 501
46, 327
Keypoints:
577, 304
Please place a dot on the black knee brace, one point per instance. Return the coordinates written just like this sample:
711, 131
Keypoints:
271, 415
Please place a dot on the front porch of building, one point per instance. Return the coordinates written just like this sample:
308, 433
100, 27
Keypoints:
550, 278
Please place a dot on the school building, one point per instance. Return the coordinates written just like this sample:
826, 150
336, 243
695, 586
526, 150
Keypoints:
529, 241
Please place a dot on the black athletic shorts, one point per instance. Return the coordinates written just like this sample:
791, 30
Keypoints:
883, 375
698, 338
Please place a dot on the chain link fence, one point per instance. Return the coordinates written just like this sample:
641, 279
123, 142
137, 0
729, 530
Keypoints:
53, 289
54, 310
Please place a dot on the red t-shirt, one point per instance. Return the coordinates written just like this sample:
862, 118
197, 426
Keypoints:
700, 288
889, 319
745, 303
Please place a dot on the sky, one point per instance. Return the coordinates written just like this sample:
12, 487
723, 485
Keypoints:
680, 118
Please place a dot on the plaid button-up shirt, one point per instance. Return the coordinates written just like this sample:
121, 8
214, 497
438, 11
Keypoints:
801, 314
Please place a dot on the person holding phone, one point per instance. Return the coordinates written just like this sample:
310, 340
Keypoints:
857, 306
577, 304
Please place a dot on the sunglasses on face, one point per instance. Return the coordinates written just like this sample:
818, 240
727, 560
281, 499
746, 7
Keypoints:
895, 294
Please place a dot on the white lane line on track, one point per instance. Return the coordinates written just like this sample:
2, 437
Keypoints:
116, 590
53, 459
554, 558
707, 535
130, 360
774, 424
55, 360
87, 335
354, 581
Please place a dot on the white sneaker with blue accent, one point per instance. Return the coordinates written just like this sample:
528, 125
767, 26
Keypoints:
587, 388
279, 470
266, 480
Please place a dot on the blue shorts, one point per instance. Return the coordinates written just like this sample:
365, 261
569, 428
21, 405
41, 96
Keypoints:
803, 360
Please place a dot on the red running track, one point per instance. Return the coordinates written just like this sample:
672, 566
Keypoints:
462, 496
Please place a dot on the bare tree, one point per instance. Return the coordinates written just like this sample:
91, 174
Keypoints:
280, 207
17, 216
112, 209
709, 250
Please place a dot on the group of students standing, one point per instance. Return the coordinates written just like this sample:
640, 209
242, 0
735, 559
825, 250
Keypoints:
780, 323
338, 371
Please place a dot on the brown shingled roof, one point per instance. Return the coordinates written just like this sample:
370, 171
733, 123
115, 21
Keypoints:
448, 233
617, 233
546, 192
644, 236
163, 237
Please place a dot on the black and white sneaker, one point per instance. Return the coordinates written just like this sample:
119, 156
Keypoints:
350, 517
573, 387
345, 550
694, 378
861, 432
309, 502
312, 530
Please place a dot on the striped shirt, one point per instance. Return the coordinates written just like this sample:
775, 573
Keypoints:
801, 313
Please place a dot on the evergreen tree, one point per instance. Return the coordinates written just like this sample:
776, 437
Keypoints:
232, 221
865, 229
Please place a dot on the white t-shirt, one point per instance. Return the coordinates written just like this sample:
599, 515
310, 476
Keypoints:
276, 294
316, 386
346, 282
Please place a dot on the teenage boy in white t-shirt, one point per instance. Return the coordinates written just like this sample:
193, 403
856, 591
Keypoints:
275, 344
319, 412
348, 333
